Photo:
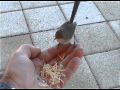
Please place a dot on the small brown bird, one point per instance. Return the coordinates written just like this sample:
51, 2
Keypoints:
65, 33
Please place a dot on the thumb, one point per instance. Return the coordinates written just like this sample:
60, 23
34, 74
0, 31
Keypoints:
29, 51
35, 52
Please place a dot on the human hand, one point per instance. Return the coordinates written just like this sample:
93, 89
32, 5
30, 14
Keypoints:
27, 62
54, 55
20, 70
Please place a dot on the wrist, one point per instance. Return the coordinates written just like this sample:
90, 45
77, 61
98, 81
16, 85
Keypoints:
8, 83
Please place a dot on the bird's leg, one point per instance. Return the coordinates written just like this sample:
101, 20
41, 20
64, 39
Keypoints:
74, 41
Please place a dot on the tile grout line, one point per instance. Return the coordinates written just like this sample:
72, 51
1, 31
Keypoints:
26, 23
102, 51
10, 11
29, 8
50, 30
62, 11
107, 22
28, 33
113, 31
92, 73
52, 5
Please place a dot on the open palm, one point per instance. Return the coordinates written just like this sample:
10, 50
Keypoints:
27, 62
68, 55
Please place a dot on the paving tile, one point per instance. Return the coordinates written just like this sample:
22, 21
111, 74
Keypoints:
12, 23
108, 12
82, 79
44, 40
87, 13
9, 45
33, 4
9, 6
96, 38
64, 2
44, 18
106, 68
116, 27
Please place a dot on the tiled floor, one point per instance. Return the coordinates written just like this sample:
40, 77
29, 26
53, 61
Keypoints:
12, 23
98, 33
87, 13
110, 10
44, 18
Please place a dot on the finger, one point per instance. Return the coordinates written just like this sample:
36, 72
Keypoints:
77, 52
28, 50
59, 57
52, 52
70, 70
38, 65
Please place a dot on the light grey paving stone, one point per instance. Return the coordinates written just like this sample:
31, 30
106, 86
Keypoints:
12, 23
34, 4
82, 79
9, 45
64, 2
44, 18
96, 38
106, 68
116, 27
87, 13
110, 9
44, 40
9, 6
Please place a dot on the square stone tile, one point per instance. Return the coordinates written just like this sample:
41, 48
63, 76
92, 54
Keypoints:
64, 2
87, 13
9, 6
110, 9
44, 40
12, 23
44, 18
34, 4
96, 38
82, 79
9, 45
116, 27
106, 68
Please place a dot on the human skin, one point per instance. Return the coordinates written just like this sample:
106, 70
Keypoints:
27, 62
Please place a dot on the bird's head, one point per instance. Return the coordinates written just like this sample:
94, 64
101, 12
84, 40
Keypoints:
59, 36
